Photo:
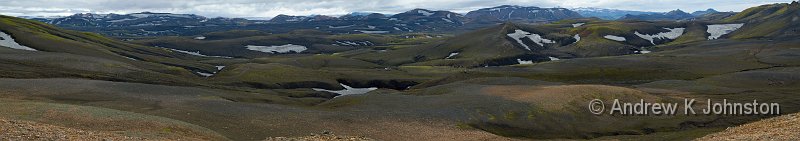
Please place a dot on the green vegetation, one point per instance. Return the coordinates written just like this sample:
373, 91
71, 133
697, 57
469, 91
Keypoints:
430, 86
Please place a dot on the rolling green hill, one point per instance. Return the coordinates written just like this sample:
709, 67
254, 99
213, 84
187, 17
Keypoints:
766, 21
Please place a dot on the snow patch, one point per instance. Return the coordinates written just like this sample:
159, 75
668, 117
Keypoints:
219, 68
577, 24
615, 38
195, 53
448, 20
451, 55
425, 13
337, 27
520, 61
577, 38
7, 41
126, 57
643, 51
518, 35
717, 30
121, 20
200, 38
673, 33
354, 43
279, 49
553, 58
205, 74
372, 32
347, 90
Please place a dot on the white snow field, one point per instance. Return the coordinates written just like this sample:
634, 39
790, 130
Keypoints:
205, 74
425, 13
520, 61
280, 49
348, 90
672, 34
717, 30
451, 55
7, 41
518, 35
615, 38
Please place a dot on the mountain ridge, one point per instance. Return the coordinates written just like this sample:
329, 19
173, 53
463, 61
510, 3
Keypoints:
416, 20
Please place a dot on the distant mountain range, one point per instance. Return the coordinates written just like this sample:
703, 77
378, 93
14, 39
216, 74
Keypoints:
671, 15
416, 20
707, 11
607, 14
520, 13
709, 14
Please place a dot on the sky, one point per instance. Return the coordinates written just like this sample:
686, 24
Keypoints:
271, 8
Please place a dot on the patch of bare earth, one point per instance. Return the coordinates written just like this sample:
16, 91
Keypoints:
26, 130
426, 129
555, 98
321, 137
785, 127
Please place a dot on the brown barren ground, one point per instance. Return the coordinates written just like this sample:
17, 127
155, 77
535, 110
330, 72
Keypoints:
785, 127
26, 130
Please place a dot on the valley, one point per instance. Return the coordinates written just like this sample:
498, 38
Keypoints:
499, 73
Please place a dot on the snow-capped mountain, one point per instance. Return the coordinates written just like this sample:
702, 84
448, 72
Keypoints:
286, 18
707, 11
671, 15
607, 14
521, 13
416, 20
139, 19
142, 24
423, 16
362, 16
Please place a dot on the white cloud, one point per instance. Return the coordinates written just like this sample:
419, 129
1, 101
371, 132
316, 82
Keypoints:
261, 8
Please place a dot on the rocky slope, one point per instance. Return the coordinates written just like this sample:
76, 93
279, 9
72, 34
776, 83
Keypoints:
784, 127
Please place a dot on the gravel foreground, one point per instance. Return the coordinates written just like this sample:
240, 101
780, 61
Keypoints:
785, 127
26, 130
33, 131
321, 137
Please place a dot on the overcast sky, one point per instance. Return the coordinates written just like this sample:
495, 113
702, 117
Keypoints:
270, 8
